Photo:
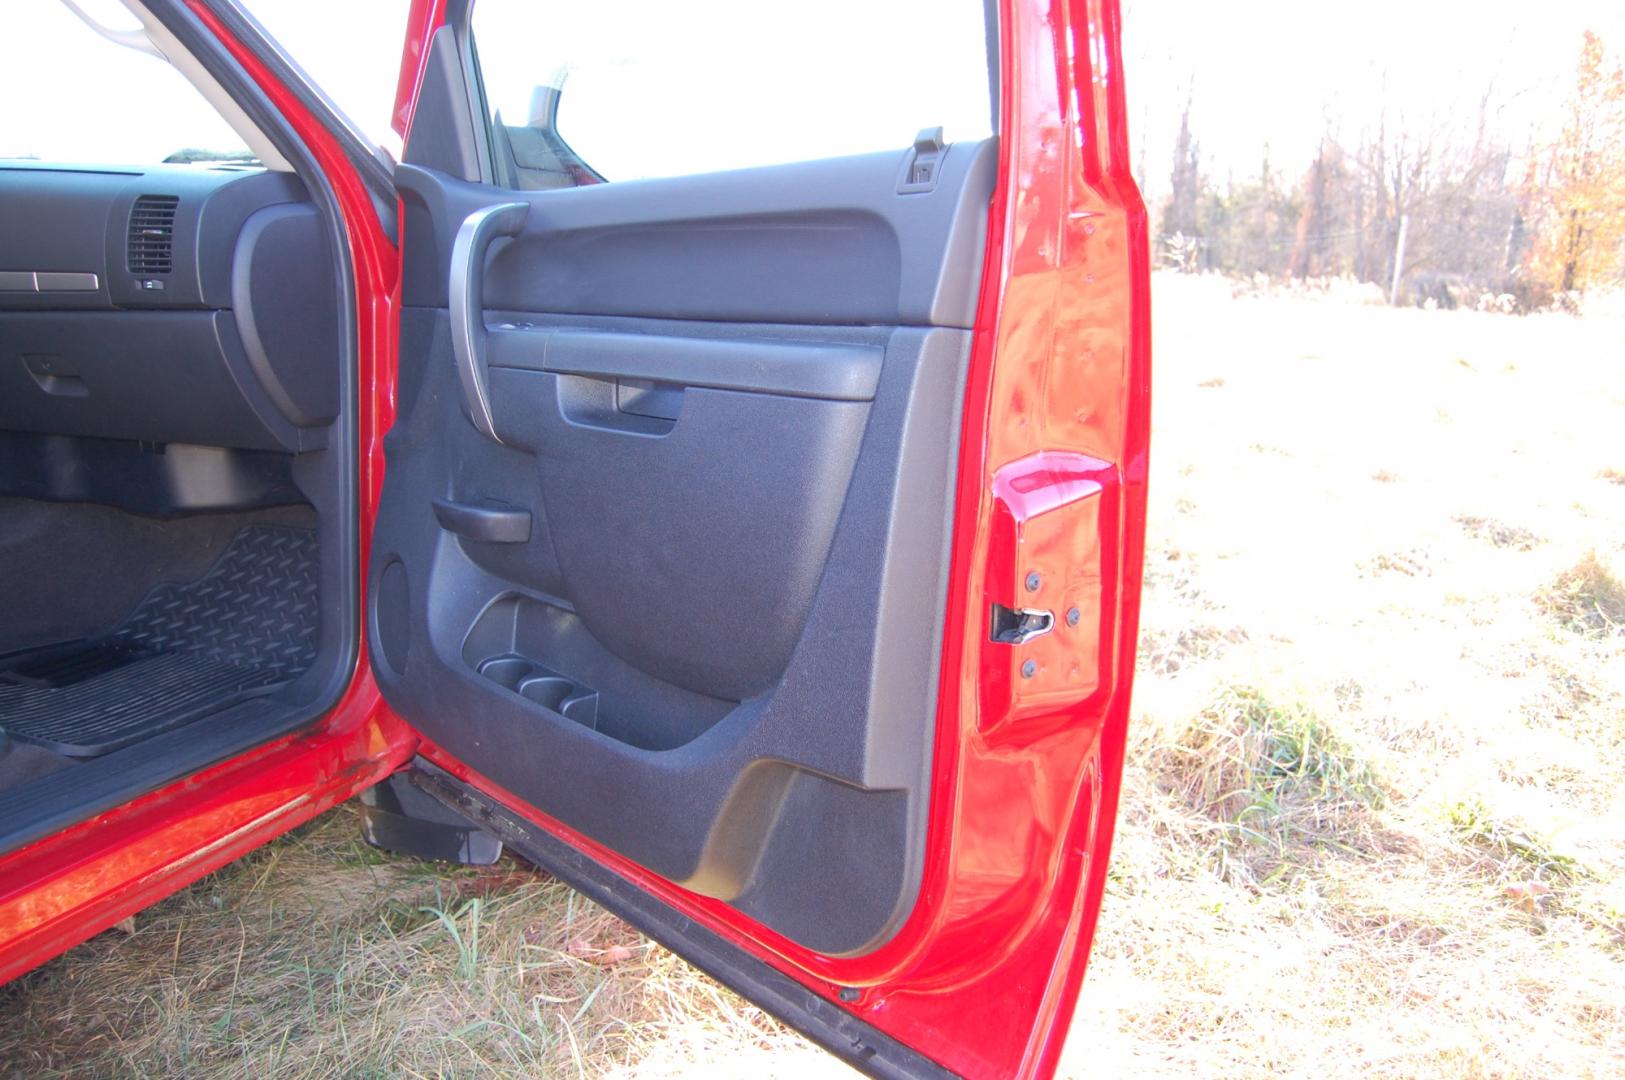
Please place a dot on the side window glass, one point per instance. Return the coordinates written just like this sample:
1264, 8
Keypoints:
582, 93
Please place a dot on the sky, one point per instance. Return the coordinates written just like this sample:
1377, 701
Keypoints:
1282, 72
656, 89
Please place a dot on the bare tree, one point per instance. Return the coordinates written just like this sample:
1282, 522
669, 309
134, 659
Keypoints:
1186, 179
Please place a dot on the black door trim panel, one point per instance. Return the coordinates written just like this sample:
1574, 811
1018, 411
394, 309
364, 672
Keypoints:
756, 597
859, 1044
828, 371
490, 524
818, 242
730, 406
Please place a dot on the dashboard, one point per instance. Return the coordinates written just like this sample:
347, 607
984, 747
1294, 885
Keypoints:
174, 304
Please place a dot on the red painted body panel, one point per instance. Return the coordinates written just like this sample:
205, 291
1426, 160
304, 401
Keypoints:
422, 19
984, 975
63, 889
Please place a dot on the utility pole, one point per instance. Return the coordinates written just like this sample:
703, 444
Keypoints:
1399, 260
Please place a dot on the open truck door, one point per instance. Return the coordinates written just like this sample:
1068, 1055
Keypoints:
759, 550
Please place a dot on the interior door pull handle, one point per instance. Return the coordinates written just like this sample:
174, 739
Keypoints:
493, 524
467, 283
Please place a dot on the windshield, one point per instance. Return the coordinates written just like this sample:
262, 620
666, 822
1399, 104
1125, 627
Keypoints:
74, 97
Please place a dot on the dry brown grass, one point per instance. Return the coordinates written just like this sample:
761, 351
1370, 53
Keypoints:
318, 957
1373, 820
1497, 533
1435, 885
1587, 598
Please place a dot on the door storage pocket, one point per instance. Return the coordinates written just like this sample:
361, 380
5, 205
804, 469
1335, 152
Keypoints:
546, 688
691, 547
547, 660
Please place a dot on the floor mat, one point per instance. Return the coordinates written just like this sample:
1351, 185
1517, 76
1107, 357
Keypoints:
249, 624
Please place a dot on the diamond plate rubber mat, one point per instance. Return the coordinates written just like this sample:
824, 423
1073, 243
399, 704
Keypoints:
189, 648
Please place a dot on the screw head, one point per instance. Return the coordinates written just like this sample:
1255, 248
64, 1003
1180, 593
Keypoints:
1029, 669
1033, 581
849, 994
1073, 616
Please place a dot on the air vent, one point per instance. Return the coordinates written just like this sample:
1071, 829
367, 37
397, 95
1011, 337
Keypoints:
152, 235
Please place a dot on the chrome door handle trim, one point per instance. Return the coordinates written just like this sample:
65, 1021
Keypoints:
467, 285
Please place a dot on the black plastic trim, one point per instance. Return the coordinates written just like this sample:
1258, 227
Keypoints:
492, 524
163, 376
814, 243
990, 17
159, 479
833, 741
398, 816
854, 1041
69, 796
831, 372
287, 331
476, 109
443, 134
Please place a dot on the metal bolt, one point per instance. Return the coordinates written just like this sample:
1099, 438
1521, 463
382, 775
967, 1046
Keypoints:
1073, 616
1029, 669
1032, 581
849, 994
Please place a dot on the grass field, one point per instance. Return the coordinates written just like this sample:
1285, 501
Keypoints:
1374, 815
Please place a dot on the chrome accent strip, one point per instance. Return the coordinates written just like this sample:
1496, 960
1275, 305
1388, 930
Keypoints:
43, 281
65, 281
466, 285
